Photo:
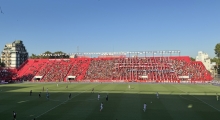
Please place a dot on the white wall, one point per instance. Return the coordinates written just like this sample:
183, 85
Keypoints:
204, 58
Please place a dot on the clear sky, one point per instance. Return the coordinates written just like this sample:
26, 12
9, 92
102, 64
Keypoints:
111, 25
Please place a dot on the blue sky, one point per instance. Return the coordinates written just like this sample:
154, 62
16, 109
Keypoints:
111, 25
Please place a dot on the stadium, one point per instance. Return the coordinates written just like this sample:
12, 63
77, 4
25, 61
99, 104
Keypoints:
170, 85
108, 67
138, 60
132, 66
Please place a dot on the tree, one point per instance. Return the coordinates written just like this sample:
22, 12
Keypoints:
34, 56
50, 55
60, 54
192, 59
215, 60
217, 50
2, 64
47, 54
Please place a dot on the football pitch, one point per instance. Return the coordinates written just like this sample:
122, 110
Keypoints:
175, 102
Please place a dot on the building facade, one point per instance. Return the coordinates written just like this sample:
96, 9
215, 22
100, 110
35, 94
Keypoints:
14, 54
204, 58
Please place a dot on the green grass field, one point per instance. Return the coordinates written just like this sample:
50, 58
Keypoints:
176, 102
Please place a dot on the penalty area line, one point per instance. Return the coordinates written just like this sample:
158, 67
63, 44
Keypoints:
62, 103
57, 106
207, 104
201, 101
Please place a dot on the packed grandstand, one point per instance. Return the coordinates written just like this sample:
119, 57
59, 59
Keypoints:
172, 69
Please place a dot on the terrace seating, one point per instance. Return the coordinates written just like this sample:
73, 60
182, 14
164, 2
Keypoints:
7, 74
170, 69
141, 69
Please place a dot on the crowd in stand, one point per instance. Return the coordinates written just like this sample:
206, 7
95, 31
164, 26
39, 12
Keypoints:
79, 68
29, 71
7, 74
57, 72
158, 68
117, 68
101, 69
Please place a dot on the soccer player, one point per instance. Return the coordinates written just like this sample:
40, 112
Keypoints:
30, 92
98, 96
216, 96
48, 95
92, 90
39, 95
157, 95
47, 90
14, 115
69, 95
106, 98
101, 107
145, 107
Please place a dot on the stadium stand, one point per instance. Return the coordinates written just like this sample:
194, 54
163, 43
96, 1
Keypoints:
7, 74
111, 69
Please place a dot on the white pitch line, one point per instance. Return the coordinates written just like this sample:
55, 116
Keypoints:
189, 99
78, 100
207, 104
201, 101
57, 106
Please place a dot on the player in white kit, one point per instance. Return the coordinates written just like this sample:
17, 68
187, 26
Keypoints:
98, 96
145, 107
157, 95
101, 107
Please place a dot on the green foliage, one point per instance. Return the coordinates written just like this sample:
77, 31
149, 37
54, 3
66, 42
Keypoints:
34, 56
60, 54
192, 59
217, 50
50, 55
215, 60
2, 64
